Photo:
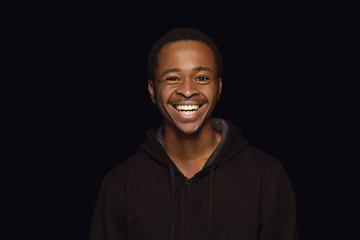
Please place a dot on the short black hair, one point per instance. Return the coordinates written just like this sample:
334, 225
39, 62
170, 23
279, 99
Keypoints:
180, 34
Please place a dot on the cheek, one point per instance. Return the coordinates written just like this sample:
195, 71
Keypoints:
211, 93
162, 94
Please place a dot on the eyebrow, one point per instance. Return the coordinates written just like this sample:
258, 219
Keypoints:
198, 69
170, 70
195, 69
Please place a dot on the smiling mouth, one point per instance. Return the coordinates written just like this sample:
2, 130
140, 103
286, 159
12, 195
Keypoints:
187, 109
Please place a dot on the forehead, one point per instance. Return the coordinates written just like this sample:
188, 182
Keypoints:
190, 51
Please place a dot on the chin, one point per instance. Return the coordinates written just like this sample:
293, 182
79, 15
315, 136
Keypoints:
190, 129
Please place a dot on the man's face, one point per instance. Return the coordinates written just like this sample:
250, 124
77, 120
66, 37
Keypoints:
186, 88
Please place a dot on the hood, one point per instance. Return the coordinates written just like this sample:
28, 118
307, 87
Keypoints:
233, 143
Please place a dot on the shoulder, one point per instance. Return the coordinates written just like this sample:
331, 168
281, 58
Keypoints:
135, 168
268, 166
129, 167
258, 163
257, 157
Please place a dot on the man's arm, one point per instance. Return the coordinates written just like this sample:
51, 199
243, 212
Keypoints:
108, 221
278, 206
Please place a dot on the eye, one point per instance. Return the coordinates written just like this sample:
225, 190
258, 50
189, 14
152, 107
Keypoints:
202, 78
172, 79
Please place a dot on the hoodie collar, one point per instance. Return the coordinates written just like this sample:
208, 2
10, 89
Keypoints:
219, 125
230, 144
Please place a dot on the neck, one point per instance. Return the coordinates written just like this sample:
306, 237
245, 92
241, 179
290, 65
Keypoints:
190, 152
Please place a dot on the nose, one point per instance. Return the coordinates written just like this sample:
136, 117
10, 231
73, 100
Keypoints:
187, 89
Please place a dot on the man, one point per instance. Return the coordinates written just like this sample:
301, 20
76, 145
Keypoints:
195, 177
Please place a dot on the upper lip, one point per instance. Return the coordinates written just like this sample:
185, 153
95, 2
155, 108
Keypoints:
175, 104
186, 102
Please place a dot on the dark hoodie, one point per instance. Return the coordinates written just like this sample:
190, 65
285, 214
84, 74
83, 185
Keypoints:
241, 193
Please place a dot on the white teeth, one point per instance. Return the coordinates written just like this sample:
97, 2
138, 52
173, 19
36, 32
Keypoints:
187, 112
187, 107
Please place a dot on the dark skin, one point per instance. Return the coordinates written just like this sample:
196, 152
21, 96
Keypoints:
186, 91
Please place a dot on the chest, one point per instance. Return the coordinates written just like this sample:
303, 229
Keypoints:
152, 208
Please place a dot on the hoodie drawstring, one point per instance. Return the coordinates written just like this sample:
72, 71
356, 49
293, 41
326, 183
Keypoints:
172, 178
211, 196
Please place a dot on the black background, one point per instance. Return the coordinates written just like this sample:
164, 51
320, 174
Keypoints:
89, 108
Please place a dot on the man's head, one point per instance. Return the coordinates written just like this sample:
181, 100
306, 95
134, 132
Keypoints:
180, 34
185, 79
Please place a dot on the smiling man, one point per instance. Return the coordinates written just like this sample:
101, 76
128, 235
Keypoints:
186, 89
195, 177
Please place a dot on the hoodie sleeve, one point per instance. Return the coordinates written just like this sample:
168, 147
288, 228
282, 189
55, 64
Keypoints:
278, 206
108, 221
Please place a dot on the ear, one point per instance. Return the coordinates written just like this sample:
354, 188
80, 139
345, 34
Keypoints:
151, 89
219, 88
